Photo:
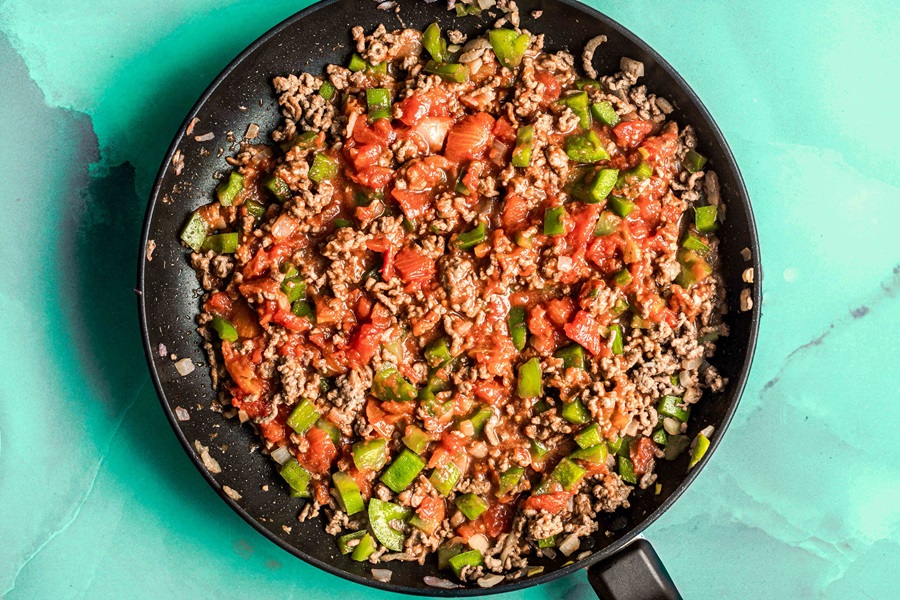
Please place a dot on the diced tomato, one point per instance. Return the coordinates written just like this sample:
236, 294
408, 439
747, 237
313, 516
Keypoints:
273, 431
467, 530
515, 213
320, 490
363, 481
629, 134
472, 176
604, 252
662, 146
452, 442
363, 156
547, 337
412, 109
552, 88
551, 503
330, 311
374, 177
560, 310
504, 131
469, 138
431, 509
289, 320
380, 132
363, 344
414, 266
583, 232
585, 330
641, 451
491, 391
241, 370
219, 304
244, 320
427, 173
498, 519
263, 287
413, 204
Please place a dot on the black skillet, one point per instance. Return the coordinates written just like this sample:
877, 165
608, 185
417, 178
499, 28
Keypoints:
619, 567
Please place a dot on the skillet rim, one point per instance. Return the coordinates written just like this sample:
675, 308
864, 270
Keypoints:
741, 380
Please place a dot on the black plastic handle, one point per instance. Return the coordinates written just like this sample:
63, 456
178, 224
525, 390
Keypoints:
634, 573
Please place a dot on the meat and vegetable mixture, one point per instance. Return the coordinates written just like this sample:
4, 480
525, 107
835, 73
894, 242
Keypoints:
466, 297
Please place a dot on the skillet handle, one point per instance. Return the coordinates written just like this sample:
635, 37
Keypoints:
634, 573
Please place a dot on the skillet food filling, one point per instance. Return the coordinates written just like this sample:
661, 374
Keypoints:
465, 296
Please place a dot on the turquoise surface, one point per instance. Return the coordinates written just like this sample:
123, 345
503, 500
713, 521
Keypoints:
98, 500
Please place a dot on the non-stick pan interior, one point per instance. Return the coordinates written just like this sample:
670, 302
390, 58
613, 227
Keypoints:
242, 95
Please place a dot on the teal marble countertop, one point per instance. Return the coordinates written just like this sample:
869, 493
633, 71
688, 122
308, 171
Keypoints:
98, 500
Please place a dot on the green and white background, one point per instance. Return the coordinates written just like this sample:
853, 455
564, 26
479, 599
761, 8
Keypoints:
98, 500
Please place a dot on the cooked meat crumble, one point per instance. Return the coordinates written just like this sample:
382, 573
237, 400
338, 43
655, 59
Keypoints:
469, 294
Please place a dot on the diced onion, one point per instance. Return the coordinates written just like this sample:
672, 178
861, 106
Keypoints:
692, 364
440, 583
631, 66
672, 426
569, 545
184, 367
479, 542
211, 464
433, 131
243, 416
209, 135
162, 350
499, 156
486, 4
281, 455
383, 575
182, 414
233, 494
548, 552
489, 580
708, 431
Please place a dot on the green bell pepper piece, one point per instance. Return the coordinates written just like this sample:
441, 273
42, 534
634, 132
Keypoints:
364, 549
471, 505
326, 90
370, 455
604, 112
585, 147
668, 407
554, 220
626, 470
323, 168
294, 288
429, 526
705, 218
509, 46
600, 187
585, 82
470, 239
692, 242
578, 102
379, 102
434, 43
448, 551
416, 439
509, 479
694, 161
438, 353
277, 187
660, 437
297, 477
616, 445
616, 343
224, 329
227, 191
538, 450
254, 208
622, 278
572, 356
472, 558
576, 412
621, 206
221, 243
593, 454
521, 156
530, 384
549, 542
348, 493
518, 331
589, 436
444, 478
390, 385
452, 72
302, 308
381, 515
357, 63
303, 416
403, 471
606, 224
568, 473
344, 542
